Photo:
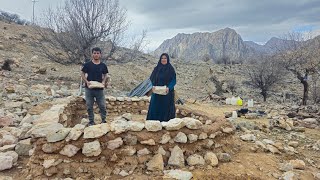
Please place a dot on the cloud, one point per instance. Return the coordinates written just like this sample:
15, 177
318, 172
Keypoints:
253, 19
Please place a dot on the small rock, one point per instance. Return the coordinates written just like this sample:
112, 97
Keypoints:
311, 120
173, 124
96, 131
143, 152
6, 162
144, 112
161, 151
12, 154
114, 144
224, 157
150, 142
127, 116
195, 159
293, 143
91, 148
267, 141
298, 164
192, 138
156, 163
176, 157
165, 138
114, 158
128, 151
288, 175
153, 126
123, 173
130, 140
261, 144
59, 135
6, 120
23, 147
192, 123
272, 149
136, 126
119, 126
248, 137
227, 130
47, 163
7, 148
75, 132
177, 174
209, 143
203, 136
181, 138
69, 150
286, 167
211, 159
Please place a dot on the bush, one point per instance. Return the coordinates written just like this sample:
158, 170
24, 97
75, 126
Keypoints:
12, 18
7, 64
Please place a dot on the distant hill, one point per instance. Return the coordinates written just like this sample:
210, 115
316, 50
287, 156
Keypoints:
225, 43
199, 46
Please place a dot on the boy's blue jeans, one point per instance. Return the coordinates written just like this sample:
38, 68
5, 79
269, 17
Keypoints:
98, 95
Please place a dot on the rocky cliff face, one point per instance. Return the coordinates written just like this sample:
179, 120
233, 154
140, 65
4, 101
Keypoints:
225, 43
216, 46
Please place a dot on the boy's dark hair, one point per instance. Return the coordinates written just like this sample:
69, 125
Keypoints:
96, 49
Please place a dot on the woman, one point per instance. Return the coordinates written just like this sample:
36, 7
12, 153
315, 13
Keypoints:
162, 106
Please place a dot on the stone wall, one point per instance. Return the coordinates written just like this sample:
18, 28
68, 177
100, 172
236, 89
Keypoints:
116, 106
76, 109
124, 146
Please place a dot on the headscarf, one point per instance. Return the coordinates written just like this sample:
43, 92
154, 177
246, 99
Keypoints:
166, 69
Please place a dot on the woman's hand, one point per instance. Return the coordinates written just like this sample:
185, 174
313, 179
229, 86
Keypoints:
153, 88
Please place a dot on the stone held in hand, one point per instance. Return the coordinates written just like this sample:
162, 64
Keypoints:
161, 90
95, 84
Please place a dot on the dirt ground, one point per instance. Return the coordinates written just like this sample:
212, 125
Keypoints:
246, 163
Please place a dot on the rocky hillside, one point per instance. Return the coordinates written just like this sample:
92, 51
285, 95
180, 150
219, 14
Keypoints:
218, 46
19, 43
272, 46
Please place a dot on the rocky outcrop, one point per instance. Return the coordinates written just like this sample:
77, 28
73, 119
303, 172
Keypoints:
225, 43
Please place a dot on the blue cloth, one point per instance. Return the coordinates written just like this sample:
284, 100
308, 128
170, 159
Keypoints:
162, 107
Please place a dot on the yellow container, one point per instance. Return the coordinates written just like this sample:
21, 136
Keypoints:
239, 102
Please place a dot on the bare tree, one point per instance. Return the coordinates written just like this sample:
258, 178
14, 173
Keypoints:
12, 18
264, 73
79, 25
315, 88
232, 85
206, 58
298, 56
217, 83
138, 43
223, 60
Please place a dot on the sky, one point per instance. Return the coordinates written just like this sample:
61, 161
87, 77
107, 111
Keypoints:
254, 20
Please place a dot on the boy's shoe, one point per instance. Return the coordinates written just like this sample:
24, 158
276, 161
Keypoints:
104, 121
91, 124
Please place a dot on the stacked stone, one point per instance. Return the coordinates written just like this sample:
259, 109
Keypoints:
183, 111
119, 105
152, 144
115, 106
